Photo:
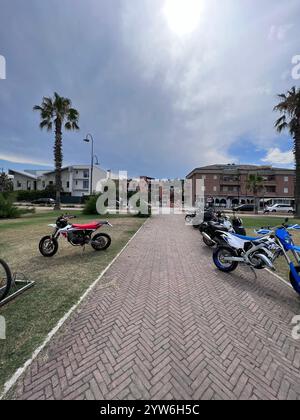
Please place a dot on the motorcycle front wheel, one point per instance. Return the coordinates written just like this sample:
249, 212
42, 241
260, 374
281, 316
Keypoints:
5, 279
294, 282
219, 259
48, 246
101, 242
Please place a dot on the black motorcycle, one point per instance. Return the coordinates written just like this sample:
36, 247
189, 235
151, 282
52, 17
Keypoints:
211, 230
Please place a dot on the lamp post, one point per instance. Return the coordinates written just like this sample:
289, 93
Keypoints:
89, 138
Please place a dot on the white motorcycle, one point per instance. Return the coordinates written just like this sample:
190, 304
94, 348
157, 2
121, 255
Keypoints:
258, 253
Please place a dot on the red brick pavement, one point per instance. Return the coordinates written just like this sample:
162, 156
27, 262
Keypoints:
165, 324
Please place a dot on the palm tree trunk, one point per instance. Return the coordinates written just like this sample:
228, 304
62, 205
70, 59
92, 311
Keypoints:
256, 204
297, 186
58, 161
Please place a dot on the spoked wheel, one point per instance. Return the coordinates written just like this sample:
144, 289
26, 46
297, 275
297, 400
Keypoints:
5, 279
220, 261
294, 282
101, 242
48, 246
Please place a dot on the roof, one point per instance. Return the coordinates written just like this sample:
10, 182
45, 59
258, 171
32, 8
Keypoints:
26, 174
234, 167
75, 167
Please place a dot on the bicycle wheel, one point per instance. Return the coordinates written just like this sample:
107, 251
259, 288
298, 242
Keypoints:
5, 279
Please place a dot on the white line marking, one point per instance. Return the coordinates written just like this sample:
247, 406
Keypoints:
280, 278
12, 381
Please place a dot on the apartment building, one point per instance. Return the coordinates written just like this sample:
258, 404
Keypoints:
75, 179
226, 185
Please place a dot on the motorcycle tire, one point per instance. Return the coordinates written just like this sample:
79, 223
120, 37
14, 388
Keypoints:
6, 279
294, 282
226, 267
48, 246
104, 242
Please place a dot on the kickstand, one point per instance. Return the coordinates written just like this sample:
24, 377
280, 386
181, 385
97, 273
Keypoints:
254, 272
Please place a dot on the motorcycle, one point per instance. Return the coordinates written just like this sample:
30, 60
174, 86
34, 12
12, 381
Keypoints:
257, 252
76, 235
211, 230
286, 243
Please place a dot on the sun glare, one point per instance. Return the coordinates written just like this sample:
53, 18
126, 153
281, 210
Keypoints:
183, 16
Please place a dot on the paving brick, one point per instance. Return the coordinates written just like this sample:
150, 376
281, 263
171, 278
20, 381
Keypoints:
173, 327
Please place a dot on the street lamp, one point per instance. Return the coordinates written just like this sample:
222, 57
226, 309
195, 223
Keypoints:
89, 138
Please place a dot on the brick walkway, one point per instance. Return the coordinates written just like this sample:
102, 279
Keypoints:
165, 324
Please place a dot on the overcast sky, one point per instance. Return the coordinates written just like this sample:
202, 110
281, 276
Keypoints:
163, 85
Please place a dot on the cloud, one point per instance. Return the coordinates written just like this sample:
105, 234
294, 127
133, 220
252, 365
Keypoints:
276, 157
157, 103
23, 159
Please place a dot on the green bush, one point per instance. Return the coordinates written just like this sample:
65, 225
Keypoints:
90, 205
35, 195
7, 209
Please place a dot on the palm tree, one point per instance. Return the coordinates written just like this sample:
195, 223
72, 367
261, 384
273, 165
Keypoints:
255, 185
289, 107
57, 112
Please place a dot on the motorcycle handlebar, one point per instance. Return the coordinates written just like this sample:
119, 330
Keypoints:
68, 216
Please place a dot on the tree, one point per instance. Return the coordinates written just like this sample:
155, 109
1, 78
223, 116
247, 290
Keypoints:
289, 107
5, 183
255, 185
57, 113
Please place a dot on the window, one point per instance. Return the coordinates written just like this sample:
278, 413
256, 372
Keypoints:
215, 177
286, 191
271, 189
286, 179
68, 184
85, 185
86, 174
50, 182
215, 189
19, 185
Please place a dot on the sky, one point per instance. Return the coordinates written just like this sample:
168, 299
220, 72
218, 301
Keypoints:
163, 86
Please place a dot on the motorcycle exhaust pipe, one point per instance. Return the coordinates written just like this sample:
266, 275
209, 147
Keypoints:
266, 260
208, 238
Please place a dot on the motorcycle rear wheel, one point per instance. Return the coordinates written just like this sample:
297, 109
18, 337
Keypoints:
48, 246
225, 266
294, 282
101, 242
5, 279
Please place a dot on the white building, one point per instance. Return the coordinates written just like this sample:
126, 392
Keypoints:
75, 179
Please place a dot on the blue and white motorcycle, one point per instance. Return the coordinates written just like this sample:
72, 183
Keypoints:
260, 252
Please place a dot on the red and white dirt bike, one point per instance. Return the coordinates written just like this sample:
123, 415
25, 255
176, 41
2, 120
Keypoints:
77, 235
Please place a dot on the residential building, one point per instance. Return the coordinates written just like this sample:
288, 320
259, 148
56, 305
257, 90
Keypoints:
75, 179
22, 180
226, 185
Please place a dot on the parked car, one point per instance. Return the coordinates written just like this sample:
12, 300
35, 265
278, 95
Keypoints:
279, 208
244, 208
44, 202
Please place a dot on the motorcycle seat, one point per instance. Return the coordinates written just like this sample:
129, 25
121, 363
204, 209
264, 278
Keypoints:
248, 238
89, 226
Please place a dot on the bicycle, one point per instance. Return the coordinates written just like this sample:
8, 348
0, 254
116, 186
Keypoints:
5, 279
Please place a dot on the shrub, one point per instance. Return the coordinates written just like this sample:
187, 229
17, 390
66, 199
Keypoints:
90, 205
7, 209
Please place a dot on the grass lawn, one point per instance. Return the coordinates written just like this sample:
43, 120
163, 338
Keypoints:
60, 281
251, 223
